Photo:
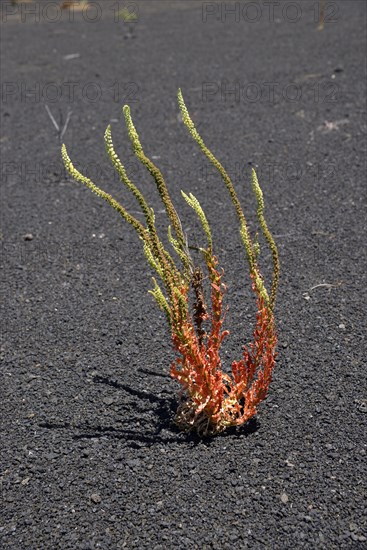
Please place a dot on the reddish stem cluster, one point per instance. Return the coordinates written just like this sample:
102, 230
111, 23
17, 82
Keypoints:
213, 400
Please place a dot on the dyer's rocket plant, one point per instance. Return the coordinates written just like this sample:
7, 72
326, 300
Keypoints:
211, 399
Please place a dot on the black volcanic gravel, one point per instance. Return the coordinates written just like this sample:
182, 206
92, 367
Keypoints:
89, 456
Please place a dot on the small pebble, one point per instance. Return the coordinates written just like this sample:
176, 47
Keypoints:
284, 498
96, 498
28, 237
108, 400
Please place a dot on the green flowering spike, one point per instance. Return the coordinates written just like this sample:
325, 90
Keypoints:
117, 206
256, 246
259, 283
194, 203
147, 211
125, 179
177, 248
258, 193
156, 173
133, 134
154, 264
252, 252
161, 300
264, 227
161, 257
182, 304
225, 177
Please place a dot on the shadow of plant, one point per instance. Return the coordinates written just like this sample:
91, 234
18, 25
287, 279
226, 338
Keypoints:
152, 426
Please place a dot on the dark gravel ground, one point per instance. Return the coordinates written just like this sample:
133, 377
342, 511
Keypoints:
89, 456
